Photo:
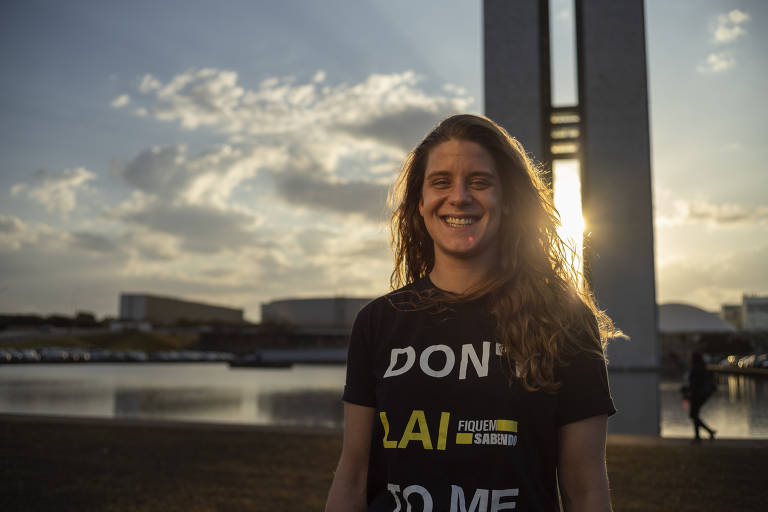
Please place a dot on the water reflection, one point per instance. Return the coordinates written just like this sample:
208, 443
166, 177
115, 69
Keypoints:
310, 395
57, 396
172, 402
306, 407
739, 408
740, 387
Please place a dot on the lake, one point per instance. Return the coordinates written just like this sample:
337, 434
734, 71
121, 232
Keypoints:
310, 396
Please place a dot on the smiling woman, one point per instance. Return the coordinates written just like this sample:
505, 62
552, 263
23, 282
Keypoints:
480, 382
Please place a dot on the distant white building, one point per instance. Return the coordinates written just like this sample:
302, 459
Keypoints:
750, 315
755, 312
142, 307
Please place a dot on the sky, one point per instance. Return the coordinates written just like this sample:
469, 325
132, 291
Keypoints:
237, 152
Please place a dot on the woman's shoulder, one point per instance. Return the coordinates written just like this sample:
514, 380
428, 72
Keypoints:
580, 361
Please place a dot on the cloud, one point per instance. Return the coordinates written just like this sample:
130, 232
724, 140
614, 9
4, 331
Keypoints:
213, 98
197, 98
352, 136
199, 228
372, 249
121, 101
319, 77
158, 170
315, 191
730, 26
717, 62
148, 84
209, 177
710, 280
152, 246
722, 214
401, 129
727, 213
94, 242
10, 225
56, 191
14, 233
313, 241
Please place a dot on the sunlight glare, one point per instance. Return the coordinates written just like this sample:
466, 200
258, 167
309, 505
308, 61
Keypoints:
567, 196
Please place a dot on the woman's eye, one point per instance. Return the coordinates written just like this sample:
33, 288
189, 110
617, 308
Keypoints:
480, 184
440, 183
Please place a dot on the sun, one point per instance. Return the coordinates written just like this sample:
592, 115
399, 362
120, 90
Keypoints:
567, 196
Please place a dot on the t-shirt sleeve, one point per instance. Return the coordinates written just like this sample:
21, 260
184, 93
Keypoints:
584, 390
361, 381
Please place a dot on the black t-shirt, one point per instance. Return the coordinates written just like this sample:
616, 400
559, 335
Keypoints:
449, 431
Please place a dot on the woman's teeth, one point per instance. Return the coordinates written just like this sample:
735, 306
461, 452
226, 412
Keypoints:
458, 222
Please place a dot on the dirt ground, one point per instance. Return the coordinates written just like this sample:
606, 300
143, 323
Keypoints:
72, 464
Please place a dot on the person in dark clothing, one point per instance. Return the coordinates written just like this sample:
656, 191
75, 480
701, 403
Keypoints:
701, 385
479, 383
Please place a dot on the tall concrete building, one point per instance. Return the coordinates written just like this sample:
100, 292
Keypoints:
608, 133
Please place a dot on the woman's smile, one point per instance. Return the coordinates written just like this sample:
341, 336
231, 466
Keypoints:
458, 222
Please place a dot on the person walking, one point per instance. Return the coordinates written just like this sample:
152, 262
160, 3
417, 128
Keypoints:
701, 385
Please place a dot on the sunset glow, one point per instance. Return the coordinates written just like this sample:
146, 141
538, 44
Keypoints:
567, 195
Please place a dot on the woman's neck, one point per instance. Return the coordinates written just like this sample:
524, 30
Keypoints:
458, 276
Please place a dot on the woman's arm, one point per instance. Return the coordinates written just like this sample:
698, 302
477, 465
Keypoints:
348, 490
581, 471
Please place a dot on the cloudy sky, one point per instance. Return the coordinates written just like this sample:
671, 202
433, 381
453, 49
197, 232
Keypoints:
237, 152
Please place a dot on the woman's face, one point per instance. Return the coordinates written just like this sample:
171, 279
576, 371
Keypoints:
461, 202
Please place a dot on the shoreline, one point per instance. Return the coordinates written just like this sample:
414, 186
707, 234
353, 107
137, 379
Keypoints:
612, 439
65, 463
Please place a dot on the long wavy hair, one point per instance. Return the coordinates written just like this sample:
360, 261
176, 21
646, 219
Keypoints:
543, 310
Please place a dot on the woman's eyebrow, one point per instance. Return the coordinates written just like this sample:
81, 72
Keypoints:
485, 174
472, 174
432, 174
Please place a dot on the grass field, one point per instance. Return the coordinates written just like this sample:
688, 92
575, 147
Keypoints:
70, 464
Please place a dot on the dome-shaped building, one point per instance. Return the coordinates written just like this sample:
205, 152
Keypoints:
676, 318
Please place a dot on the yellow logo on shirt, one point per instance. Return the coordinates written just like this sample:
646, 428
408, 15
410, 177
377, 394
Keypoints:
501, 432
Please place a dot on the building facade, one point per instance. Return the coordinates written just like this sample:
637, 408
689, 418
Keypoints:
755, 313
156, 310
750, 315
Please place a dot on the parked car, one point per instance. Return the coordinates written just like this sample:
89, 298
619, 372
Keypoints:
747, 361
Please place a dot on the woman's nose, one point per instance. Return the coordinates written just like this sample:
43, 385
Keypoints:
460, 194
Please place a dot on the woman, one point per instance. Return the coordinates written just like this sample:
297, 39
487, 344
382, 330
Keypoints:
480, 383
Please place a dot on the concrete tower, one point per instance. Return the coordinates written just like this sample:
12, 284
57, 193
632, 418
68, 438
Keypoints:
608, 133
